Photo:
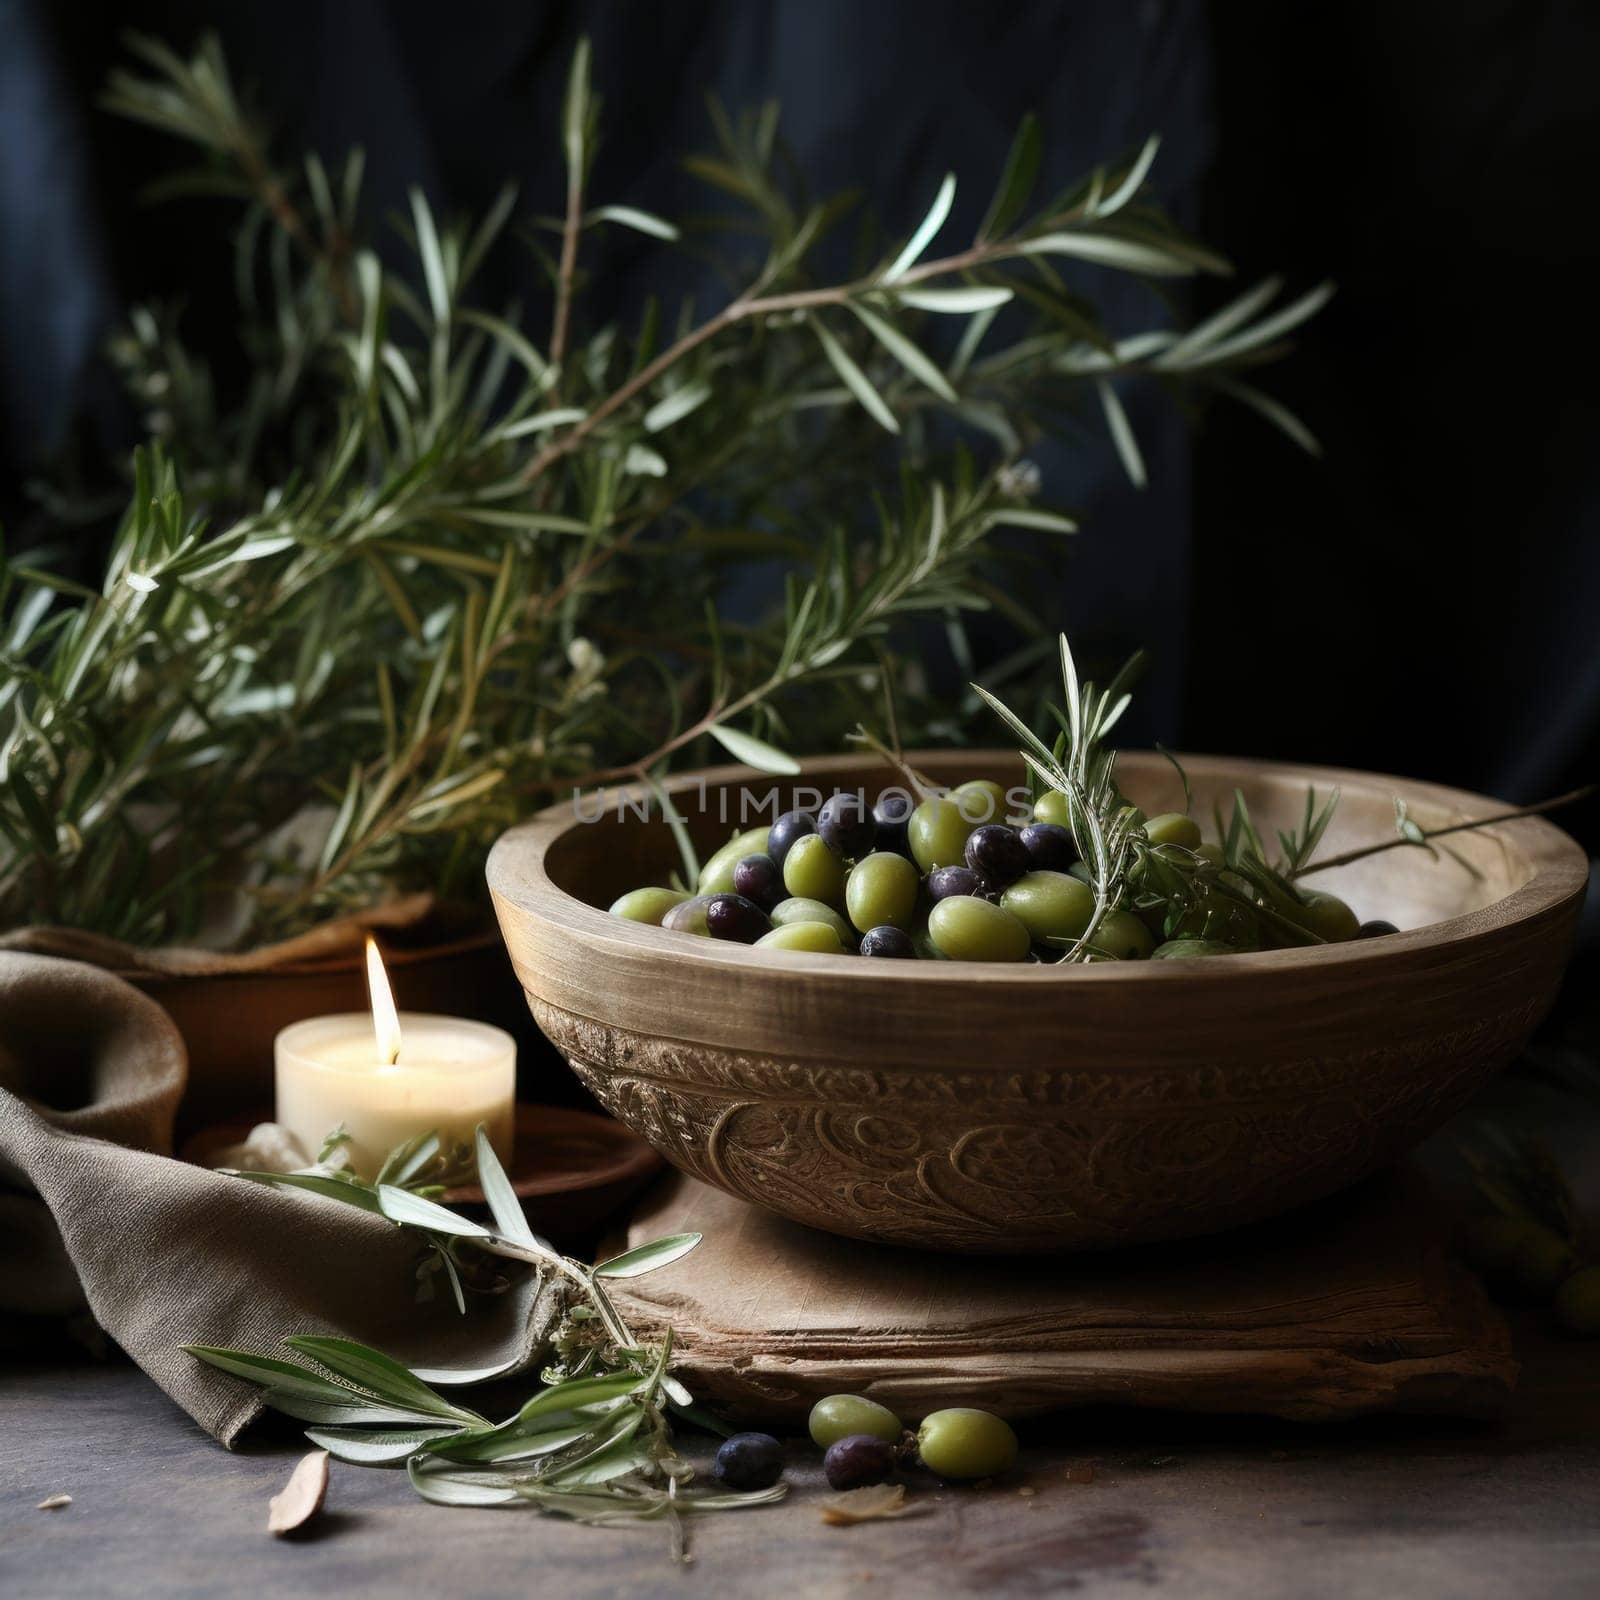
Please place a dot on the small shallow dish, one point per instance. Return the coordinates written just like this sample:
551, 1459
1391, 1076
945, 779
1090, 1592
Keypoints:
1026, 1108
570, 1169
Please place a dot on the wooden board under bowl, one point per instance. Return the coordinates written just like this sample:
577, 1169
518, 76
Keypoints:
1349, 1306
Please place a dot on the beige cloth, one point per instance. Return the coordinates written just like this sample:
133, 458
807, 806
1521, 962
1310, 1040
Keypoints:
93, 1209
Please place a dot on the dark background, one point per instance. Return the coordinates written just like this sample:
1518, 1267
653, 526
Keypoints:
1420, 601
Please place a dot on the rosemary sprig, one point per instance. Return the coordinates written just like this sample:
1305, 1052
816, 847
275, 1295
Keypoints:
594, 1443
1126, 869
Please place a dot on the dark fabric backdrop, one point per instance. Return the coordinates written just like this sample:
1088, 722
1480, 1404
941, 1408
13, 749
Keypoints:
1421, 601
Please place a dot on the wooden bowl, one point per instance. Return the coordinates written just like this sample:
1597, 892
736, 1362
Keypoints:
1031, 1108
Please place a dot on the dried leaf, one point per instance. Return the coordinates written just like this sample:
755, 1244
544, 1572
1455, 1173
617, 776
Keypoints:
882, 1502
54, 1502
301, 1497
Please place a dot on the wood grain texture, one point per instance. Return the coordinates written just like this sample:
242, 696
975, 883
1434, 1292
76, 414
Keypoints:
1035, 1108
1344, 1308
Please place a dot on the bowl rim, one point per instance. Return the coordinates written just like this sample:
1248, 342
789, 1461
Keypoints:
517, 874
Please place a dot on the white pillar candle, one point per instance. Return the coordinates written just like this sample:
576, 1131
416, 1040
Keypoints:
387, 1077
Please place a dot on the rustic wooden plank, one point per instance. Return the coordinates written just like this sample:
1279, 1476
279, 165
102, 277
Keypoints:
1346, 1307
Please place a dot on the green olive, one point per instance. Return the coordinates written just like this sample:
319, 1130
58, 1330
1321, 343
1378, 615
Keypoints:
1172, 827
716, 876
1323, 914
1220, 918
937, 833
1123, 937
1542, 1263
1578, 1303
1082, 871
647, 905
814, 936
812, 871
1052, 806
1214, 853
1050, 905
839, 1416
882, 889
980, 800
963, 1443
968, 929
689, 916
1187, 949
800, 909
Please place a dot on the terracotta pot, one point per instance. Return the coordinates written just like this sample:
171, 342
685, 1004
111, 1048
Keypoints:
229, 1019
1027, 1107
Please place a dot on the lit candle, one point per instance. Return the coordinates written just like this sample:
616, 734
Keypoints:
388, 1076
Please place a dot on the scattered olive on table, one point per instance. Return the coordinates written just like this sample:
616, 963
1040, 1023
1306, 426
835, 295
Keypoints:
837, 1416
749, 1461
963, 1443
858, 1461
965, 876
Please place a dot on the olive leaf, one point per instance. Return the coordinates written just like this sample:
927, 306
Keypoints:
753, 752
378, 1374
504, 1205
364, 1447
645, 1258
400, 1205
355, 1194
593, 1443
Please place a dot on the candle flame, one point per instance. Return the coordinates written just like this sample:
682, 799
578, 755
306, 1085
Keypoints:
385, 1019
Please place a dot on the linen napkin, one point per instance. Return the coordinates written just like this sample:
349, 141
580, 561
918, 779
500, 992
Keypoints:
166, 1254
